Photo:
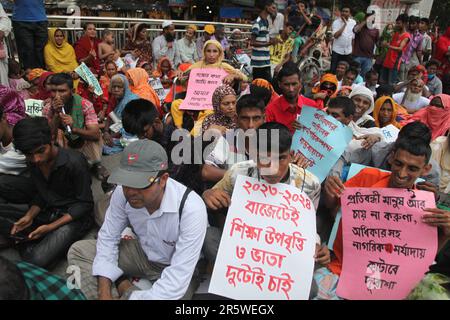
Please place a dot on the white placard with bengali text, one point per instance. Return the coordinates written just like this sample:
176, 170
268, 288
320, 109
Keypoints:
34, 107
268, 243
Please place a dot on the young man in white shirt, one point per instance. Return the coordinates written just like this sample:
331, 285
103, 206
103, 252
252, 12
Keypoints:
343, 38
169, 221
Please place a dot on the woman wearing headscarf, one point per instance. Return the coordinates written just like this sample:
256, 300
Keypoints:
363, 100
138, 79
5, 29
105, 79
139, 41
224, 104
86, 49
58, 53
43, 86
165, 72
213, 56
385, 112
119, 96
325, 90
12, 104
442, 52
436, 116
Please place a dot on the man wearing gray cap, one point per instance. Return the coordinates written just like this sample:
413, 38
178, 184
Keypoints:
165, 45
169, 221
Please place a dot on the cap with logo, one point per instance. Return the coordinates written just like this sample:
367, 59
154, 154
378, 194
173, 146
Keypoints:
140, 164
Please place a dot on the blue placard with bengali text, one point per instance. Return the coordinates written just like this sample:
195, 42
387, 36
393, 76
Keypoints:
322, 140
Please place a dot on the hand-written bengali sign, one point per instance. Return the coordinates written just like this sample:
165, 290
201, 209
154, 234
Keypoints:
322, 140
201, 86
156, 84
268, 243
86, 74
34, 108
387, 249
390, 133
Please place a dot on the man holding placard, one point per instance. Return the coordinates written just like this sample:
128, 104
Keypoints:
409, 160
272, 166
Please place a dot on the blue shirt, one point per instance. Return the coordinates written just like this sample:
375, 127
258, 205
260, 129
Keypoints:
29, 11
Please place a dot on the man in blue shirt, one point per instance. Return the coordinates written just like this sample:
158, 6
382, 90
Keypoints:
30, 30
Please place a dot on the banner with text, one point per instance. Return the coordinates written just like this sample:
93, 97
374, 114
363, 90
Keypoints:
86, 74
387, 248
322, 140
268, 243
201, 86
34, 107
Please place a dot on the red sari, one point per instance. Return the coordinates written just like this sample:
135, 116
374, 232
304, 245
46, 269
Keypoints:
82, 49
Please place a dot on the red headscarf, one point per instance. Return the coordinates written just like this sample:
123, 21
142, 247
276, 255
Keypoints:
82, 49
437, 119
43, 94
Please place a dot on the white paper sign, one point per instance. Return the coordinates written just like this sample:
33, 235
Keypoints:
390, 133
268, 243
34, 108
86, 74
156, 84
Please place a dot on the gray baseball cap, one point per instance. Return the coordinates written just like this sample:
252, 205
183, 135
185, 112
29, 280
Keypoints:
140, 163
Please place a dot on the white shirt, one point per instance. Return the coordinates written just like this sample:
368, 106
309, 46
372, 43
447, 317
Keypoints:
343, 44
160, 50
187, 51
163, 238
277, 25
420, 103
11, 161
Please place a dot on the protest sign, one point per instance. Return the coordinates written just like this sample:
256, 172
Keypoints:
322, 140
267, 245
156, 84
201, 86
34, 108
86, 74
387, 248
390, 133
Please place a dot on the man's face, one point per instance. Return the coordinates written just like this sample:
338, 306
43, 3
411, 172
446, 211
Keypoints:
349, 78
40, 155
272, 10
413, 26
372, 80
274, 167
406, 168
220, 33
170, 30
141, 198
250, 118
338, 114
290, 86
423, 26
362, 104
432, 69
62, 92
345, 13
340, 70
288, 30
416, 86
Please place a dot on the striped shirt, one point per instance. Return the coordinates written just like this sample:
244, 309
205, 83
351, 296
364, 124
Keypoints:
261, 55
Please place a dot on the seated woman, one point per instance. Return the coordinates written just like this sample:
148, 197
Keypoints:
441, 153
44, 87
224, 116
120, 95
138, 79
59, 54
385, 112
105, 81
436, 116
165, 73
213, 56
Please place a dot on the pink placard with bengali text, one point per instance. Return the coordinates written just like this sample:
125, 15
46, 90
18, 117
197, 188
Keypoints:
201, 86
387, 248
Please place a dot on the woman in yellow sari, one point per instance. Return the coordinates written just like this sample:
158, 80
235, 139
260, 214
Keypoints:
59, 55
386, 112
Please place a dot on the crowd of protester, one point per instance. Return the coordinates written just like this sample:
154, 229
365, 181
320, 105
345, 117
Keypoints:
374, 78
